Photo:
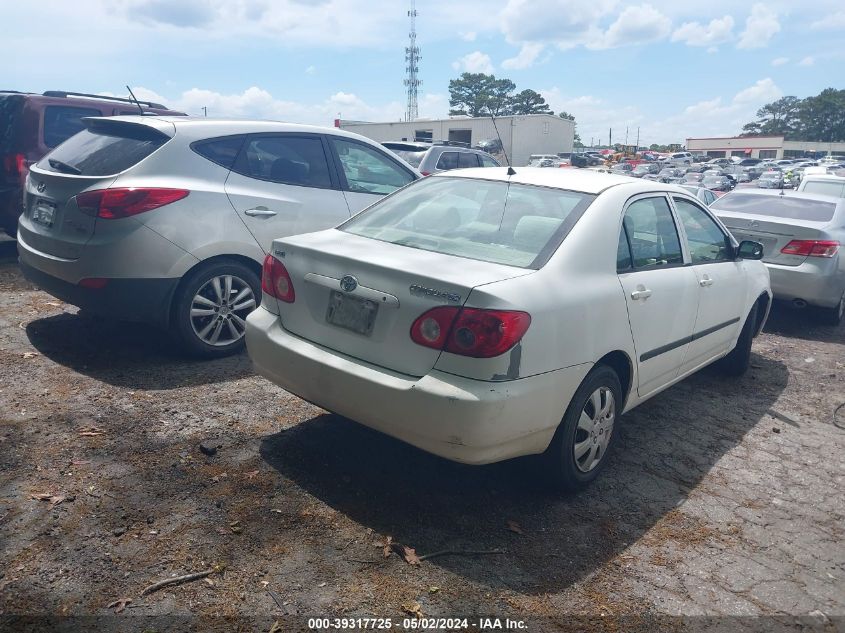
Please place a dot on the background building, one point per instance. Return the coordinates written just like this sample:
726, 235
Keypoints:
761, 147
522, 135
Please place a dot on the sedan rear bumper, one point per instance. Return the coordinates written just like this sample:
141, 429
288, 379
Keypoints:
144, 300
817, 281
465, 420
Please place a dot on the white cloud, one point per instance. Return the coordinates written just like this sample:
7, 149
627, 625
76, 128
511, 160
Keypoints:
310, 70
566, 23
807, 61
525, 58
468, 36
763, 91
780, 61
760, 27
475, 62
832, 22
719, 30
713, 49
635, 25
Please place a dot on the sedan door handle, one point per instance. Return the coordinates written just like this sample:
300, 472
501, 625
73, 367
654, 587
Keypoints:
705, 281
260, 212
640, 293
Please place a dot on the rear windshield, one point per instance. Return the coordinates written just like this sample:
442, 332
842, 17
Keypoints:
104, 150
491, 221
412, 157
826, 187
792, 207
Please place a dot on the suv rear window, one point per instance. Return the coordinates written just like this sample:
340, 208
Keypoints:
491, 221
62, 122
791, 207
222, 151
104, 149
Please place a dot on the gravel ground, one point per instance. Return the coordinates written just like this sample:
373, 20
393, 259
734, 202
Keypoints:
723, 504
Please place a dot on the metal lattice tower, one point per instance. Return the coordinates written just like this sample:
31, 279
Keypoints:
412, 60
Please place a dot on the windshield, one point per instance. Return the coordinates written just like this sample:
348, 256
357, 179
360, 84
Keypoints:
492, 221
411, 157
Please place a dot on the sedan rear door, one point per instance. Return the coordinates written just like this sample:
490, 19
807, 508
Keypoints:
282, 184
660, 291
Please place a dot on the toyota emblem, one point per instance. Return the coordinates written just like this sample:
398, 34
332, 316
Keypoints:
348, 283
41, 187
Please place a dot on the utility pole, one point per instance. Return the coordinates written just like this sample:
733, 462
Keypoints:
412, 60
626, 138
204, 111
638, 138
610, 138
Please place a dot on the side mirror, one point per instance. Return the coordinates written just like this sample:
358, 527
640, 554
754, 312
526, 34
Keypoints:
749, 249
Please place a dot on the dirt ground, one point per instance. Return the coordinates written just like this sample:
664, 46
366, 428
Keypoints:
723, 504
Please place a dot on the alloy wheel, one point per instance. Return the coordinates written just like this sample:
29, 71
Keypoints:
219, 309
595, 426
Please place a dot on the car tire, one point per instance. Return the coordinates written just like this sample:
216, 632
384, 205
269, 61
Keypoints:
739, 358
210, 308
833, 316
592, 435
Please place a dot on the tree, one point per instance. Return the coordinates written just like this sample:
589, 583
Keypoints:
566, 115
529, 102
777, 118
477, 94
822, 118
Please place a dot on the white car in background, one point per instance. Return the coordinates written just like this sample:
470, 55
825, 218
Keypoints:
482, 316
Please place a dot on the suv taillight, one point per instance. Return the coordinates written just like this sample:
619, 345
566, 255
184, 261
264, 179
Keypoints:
470, 331
811, 248
275, 280
113, 204
16, 165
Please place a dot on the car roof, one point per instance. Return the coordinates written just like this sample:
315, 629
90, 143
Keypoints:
824, 177
573, 179
804, 195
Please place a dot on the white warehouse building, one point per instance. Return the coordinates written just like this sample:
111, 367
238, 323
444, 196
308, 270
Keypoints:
522, 134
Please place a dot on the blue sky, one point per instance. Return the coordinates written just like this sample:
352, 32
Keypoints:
673, 68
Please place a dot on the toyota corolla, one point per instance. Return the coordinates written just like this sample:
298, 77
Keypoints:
487, 314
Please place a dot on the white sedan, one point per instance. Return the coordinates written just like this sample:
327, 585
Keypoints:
482, 316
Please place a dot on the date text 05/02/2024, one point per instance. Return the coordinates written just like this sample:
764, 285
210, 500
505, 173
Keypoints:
418, 624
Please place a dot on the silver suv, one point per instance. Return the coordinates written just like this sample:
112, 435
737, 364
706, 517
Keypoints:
167, 219
430, 158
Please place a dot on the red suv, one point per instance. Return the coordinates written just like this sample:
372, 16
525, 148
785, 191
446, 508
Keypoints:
33, 124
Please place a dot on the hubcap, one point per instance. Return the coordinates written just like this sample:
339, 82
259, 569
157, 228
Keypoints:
595, 426
219, 308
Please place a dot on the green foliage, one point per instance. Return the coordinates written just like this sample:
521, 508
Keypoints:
566, 115
529, 102
478, 94
818, 118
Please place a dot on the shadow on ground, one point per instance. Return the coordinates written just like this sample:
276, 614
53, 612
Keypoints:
665, 448
805, 323
132, 355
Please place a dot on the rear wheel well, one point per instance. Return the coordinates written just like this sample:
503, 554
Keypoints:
217, 259
619, 362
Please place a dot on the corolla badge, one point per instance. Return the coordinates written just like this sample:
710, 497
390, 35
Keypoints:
753, 224
434, 293
348, 283
41, 187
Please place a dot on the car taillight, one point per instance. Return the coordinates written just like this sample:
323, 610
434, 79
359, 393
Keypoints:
811, 248
470, 331
275, 280
113, 204
16, 165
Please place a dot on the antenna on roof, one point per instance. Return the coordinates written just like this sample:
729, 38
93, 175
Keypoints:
137, 103
511, 171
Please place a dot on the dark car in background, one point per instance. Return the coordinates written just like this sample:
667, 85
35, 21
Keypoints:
33, 124
717, 183
433, 157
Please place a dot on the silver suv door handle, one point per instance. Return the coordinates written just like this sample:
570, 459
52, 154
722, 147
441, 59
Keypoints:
260, 212
705, 281
640, 293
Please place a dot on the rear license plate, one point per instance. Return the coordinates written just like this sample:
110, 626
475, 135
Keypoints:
43, 213
352, 313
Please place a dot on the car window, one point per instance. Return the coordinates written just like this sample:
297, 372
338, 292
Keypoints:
623, 253
222, 151
412, 157
467, 159
652, 233
447, 160
826, 187
368, 170
486, 161
62, 122
292, 160
793, 207
706, 241
492, 221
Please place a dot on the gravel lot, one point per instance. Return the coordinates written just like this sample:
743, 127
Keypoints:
724, 499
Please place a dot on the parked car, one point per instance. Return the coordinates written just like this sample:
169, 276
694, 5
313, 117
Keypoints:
429, 316
825, 185
645, 168
717, 183
167, 219
801, 234
680, 159
718, 163
749, 162
666, 175
773, 179
431, 158
542, 160
33, 124
702, 193
624, 169
692, 178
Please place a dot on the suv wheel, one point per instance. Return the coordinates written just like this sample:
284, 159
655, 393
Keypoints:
578, 452
211, 308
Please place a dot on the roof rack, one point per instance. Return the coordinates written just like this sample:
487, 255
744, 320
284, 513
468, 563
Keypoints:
63, 94
452, 143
